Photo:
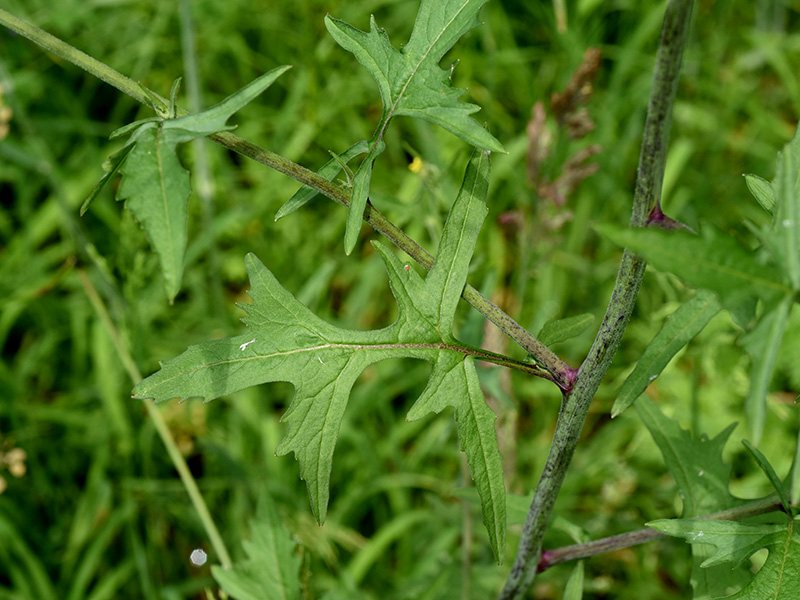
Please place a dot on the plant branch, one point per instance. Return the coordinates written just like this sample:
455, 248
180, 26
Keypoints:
575, 405
562, 374
556, 556
161, 427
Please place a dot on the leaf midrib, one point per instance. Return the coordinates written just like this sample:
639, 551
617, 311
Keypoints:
414, 71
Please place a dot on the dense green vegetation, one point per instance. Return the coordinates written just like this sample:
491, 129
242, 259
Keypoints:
98, 511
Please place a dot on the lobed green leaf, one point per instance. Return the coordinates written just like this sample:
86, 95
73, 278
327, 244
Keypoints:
411, 83
287, 342
735, 542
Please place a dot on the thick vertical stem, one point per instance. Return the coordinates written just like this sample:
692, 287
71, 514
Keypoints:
576, 401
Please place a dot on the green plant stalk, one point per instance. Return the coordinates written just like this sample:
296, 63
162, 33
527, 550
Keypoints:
161, 427
550, 558
556, 369
576, 402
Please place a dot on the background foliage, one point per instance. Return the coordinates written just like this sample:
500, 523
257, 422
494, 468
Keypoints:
98, 512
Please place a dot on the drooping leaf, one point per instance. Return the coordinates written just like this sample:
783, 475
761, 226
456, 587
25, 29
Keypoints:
287, 342
329, 170
272, 568
561, 330
713, 261
702, 478
763, 343
736, 542
411, 83
682, 326
156, 188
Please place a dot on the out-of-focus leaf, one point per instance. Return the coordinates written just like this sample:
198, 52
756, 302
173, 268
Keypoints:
682, 326
786, 226
776, 482
702, 477
762, 191
561, 330
272, 569
713, 261
763, 343
574, 588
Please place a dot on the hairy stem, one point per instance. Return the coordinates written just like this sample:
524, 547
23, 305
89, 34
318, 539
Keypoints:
575, 405
553, 557
561, 373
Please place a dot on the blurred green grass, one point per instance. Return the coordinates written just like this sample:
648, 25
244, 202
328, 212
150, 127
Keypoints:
99, 512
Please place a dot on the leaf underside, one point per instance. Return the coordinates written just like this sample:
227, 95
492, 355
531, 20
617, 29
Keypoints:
287, 342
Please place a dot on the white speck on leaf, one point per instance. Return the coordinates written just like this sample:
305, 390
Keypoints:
246, 344
701, 473
320, 360
787, 223
198, 557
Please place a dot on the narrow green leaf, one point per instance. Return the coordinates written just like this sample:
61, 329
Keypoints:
762, 191
561, 330
736, 542
329, 170
682, 326
794, 480
763, 344
776, 482
110, 166
449, 270
787, 211
454, 382
574, 588
173, 97
286, 342
272, 567
212, 120
410, 81
156, 190
359, 197
713, 261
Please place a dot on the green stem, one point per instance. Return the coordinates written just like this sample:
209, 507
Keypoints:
161, 427
562, 374
550, 558
575, 405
